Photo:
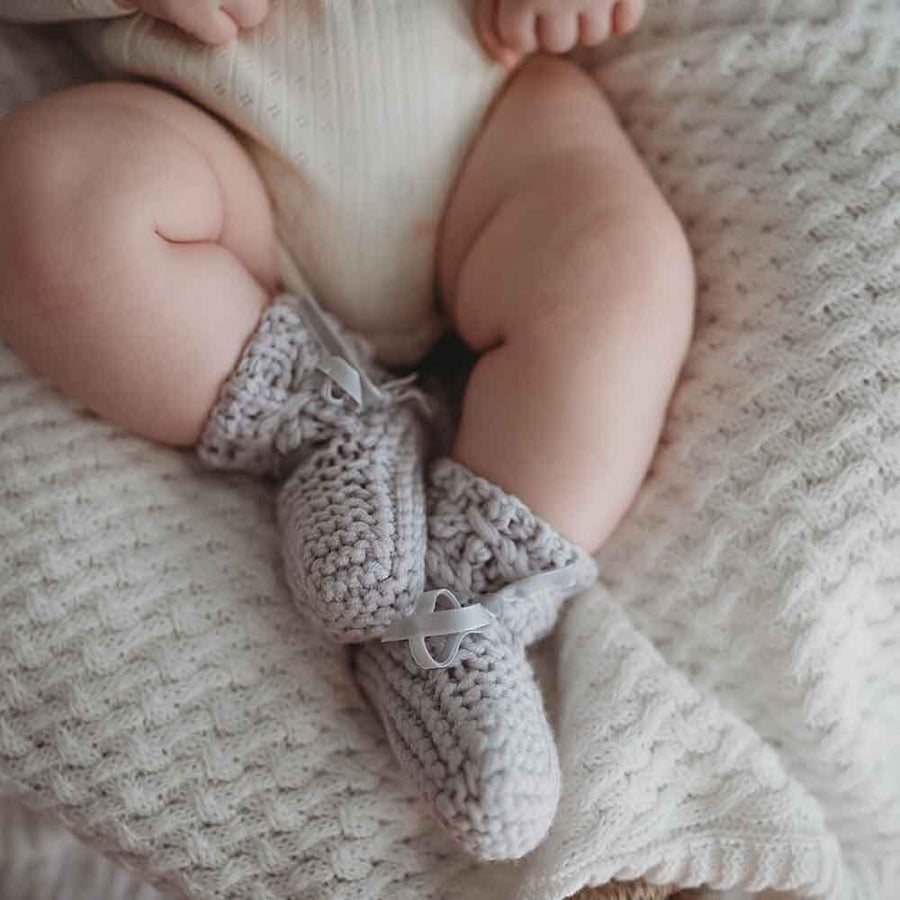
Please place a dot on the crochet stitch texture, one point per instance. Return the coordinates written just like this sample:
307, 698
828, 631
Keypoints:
474, 736
352, 510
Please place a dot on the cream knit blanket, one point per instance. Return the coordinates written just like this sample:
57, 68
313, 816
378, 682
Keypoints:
729, 705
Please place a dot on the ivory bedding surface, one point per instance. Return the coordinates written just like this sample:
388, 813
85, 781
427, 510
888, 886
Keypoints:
728, 700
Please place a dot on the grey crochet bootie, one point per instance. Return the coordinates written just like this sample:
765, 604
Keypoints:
306, 403
452, 683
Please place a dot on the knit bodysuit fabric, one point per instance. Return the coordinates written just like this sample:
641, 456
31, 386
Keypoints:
727, 704
358, 114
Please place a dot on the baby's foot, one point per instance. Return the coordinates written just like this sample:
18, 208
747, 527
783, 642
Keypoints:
452, 683
307, 404
511, 29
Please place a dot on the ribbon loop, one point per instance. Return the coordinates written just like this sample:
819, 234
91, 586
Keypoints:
341, 365
345, 376
458, 621
426, 622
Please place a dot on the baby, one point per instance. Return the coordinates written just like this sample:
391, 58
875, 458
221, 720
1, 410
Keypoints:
409, 163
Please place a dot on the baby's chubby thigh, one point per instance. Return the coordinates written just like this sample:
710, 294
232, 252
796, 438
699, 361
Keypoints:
119, 244
384, 101
563, 263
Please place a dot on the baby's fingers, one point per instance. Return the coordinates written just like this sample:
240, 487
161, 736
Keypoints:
557, 32
516, 26
247, 13
626, 15
486, 26
594, 27
212, 21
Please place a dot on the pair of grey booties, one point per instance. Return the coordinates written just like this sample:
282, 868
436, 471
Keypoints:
438, 578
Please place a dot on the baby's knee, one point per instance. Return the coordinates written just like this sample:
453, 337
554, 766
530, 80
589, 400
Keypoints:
43, 194
86, 178
29, 156
658, 273
624, 269
645, 290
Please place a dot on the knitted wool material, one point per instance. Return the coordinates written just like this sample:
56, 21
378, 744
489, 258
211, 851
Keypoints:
352, 520
352, 511
41, 860
630, 890
474, 737
253, 428
728, 705
481, 539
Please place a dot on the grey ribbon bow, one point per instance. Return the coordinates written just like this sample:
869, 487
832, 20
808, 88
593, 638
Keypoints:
341, 365
459, 620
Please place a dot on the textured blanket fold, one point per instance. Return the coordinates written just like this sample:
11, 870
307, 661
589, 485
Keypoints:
729, 702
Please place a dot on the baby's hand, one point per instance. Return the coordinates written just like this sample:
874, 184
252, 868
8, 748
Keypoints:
212, 21
510, 29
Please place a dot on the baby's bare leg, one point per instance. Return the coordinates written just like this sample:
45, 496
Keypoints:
136, 252
562, 262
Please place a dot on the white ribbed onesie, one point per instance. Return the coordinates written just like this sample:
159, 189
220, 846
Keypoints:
358, 113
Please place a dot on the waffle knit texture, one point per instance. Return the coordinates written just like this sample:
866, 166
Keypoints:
41, 860
474, 736
728, 706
